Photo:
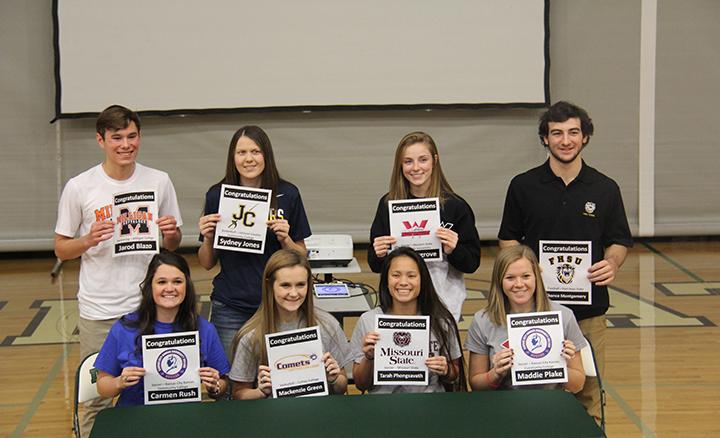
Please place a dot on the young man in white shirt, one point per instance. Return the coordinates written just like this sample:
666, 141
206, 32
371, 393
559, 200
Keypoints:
110, 287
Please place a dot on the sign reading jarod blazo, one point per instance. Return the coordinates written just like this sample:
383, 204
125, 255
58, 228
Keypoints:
135, 231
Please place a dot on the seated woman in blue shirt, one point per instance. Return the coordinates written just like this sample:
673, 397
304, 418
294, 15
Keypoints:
168, 305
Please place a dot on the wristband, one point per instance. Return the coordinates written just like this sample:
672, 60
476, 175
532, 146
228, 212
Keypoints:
489, 382
334, 380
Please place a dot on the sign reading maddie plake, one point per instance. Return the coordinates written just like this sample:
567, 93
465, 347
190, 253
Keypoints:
171, 363
413, 223
536, 340
135, 229
243, 215
296, 366
565, 267
402, 349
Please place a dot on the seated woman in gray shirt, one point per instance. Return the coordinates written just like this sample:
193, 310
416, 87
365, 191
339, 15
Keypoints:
406, 288
517, 287
286, 304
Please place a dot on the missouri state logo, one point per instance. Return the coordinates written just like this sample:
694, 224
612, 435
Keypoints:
402, 339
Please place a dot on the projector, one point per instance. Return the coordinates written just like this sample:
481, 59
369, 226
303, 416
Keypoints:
329, 250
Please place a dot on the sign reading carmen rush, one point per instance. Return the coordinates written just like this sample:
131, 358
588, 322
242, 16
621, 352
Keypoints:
171, 362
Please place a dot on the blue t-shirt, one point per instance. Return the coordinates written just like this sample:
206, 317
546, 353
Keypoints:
238, 285
119, 351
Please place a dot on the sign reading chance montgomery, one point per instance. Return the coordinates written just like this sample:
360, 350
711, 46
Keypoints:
537, 340
243, 216
296, 366
413, 223
135, 229
402, 349
565, 267
171, 363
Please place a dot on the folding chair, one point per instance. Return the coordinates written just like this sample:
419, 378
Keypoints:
85, 387
591, 370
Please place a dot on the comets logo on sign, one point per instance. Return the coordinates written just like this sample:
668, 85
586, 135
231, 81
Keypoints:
171, 364
415, 229
565, 273
296, 362
135, 222
402, 339
536, 343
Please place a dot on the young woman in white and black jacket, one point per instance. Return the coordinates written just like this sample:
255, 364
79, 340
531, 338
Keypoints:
417, 174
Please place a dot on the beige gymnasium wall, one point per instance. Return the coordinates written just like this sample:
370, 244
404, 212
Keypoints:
341, 160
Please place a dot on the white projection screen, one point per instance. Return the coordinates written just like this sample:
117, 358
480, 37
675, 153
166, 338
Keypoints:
189, 55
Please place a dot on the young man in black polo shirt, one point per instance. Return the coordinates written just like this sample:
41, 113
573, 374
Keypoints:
565, 199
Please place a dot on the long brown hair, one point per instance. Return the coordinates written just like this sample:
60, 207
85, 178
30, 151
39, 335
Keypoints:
498, 304
400, 187
264, 321
270, 178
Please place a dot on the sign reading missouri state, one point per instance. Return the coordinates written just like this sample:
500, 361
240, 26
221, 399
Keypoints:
243, 216
135, 231
296, 365
413, 222
537, 340
401, 352
171, 363
565, 265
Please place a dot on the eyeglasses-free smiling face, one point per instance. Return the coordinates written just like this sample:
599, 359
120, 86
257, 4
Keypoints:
417, 167
519, 285
168, 288
121, 146
404, 280
290, 288
565, 140
249, 161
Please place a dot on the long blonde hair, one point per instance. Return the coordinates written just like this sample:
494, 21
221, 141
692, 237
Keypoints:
400, 187
264, 320
498, 304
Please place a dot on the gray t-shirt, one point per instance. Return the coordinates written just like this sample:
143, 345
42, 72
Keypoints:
486, 338
366, 324
246, 362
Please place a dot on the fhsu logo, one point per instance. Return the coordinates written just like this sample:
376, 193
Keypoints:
565, 271
246, 217
135, 222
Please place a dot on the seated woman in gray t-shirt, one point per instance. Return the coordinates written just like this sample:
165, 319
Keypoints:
517, 287
406, 288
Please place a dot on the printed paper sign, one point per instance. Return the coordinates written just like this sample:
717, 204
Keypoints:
537, 341
413, 223
171, 363
402, 349
296, 366
135, 229
243, 215
565, 267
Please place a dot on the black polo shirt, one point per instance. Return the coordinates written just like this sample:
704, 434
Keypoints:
539, 206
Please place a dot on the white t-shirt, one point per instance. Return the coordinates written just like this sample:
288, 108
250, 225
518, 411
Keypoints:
109, 288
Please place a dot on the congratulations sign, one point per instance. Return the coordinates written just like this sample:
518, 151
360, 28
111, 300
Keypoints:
537, 341
135, 229
413, 223
401, 351
171, 363
565, 267
243, 215
296, 366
